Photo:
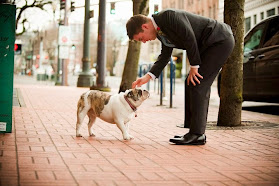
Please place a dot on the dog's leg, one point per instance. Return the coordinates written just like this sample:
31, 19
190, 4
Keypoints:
80, 118
122, 127
92, 119
128, 130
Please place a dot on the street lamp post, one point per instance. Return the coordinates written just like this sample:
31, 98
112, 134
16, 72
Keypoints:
85, 79
101, 56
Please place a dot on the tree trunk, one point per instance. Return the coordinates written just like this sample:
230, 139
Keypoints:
130, 71
232, 72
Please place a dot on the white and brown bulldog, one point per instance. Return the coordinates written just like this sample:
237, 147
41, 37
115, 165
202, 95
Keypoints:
115, 109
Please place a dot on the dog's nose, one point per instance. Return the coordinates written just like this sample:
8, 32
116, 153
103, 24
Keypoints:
147, 92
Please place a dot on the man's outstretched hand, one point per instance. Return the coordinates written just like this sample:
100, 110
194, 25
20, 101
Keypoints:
141, 81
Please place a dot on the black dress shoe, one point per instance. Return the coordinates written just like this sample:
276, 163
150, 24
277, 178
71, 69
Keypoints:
190, 139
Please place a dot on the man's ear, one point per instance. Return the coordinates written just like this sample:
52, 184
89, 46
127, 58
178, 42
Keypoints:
144, 26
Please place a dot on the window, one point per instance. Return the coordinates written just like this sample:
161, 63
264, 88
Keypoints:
254, 38
262, 15
247, 24
255, 19
270, 12
272, 34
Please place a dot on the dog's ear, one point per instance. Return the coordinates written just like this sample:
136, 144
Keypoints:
139, 91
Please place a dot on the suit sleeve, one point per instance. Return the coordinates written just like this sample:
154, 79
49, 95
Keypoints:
181, 25
162, 61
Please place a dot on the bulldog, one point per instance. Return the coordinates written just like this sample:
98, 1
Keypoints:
115, 109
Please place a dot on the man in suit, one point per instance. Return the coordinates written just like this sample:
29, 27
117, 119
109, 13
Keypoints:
208, 44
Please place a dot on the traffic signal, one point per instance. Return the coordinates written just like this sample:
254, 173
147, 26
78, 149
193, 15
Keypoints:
112, 8
156, 9
73, 47
17, 49
62, 4
72, 6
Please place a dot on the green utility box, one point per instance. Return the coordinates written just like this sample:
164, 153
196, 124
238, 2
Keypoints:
7, 41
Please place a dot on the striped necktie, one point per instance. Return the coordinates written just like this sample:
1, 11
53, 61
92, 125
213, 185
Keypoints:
162, 37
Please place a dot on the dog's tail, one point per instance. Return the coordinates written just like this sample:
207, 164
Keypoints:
81, 103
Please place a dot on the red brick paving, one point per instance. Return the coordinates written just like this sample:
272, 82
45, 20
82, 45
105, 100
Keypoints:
43, 149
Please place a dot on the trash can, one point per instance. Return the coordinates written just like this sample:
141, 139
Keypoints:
7, 41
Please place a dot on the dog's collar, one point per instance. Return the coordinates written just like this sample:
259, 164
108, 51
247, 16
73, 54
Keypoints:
131, 105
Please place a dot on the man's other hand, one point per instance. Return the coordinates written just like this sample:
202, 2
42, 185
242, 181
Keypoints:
193, 76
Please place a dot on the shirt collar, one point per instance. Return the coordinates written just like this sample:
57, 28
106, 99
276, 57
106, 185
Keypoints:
154, 24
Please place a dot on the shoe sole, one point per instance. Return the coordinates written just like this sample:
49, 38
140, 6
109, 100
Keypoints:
197, 143
176, 136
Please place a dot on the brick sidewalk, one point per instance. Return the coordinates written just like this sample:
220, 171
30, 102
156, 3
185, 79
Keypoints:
43, 149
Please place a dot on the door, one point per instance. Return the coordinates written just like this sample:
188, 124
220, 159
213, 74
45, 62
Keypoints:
251, 49
267, 64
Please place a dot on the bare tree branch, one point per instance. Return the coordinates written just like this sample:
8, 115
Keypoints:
35, 4
23, 27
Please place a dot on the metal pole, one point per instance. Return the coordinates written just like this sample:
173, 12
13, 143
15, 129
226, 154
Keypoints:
85, 79
86, 40
161, 88
171, 80
64, 61
174, 77
58, 81
101, 56
140, 71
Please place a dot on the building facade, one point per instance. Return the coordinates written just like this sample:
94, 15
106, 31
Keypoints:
207, 8
254, 10
258, 10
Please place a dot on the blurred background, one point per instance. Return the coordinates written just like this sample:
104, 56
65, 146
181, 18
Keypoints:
37, 51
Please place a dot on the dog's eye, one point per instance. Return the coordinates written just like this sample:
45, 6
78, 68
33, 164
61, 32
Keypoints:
130, 94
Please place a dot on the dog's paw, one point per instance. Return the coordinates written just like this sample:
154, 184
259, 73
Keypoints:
91, 134
129, 137
78, 135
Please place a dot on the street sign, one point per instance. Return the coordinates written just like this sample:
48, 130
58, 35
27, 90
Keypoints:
64, 52
64, 35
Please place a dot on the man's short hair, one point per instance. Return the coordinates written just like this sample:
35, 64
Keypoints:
133, 25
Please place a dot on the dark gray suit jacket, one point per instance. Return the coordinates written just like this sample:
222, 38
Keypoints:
189, 32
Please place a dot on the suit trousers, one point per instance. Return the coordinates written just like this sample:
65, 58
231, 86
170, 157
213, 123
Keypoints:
197, 97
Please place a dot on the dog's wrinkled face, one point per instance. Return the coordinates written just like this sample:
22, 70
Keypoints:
137, 96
